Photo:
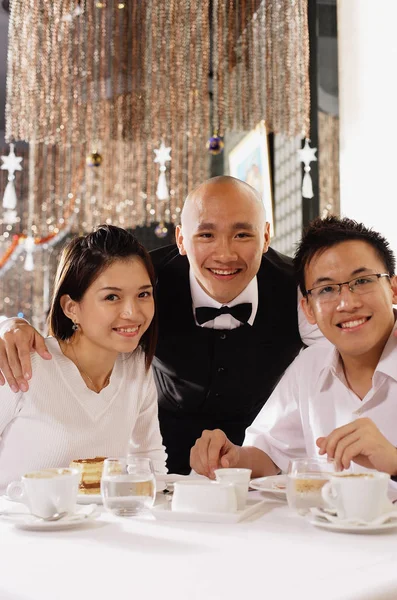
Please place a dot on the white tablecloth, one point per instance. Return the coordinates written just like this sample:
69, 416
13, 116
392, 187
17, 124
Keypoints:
278, 555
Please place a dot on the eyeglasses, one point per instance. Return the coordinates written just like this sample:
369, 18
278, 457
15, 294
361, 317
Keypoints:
359, 285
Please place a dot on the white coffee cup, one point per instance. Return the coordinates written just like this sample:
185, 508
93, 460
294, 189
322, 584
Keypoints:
240, 478
360, 496
47, 491
204, 496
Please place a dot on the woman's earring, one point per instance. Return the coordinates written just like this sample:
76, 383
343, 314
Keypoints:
75, 327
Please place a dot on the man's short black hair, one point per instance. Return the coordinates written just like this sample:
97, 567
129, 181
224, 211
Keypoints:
325, 233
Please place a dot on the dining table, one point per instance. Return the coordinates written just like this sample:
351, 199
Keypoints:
275, 553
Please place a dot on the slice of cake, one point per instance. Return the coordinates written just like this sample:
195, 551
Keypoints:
91, 473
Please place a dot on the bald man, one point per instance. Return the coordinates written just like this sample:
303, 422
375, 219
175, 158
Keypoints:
228, 323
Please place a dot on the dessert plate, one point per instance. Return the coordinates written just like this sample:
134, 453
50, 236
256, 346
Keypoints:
163, 512
89, 499
275, 484
31, 523
97, 498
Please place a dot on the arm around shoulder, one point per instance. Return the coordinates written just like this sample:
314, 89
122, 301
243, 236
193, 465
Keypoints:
6, 323
18, 340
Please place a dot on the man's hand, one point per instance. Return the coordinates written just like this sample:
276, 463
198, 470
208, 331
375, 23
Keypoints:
16, 344
360, 442
211, 451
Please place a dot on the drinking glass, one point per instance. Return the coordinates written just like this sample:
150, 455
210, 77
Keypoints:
128, 485
305, 479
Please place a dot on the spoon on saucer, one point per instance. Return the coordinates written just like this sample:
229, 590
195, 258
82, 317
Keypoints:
55, 517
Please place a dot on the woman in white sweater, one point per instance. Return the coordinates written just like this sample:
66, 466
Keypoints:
96, 397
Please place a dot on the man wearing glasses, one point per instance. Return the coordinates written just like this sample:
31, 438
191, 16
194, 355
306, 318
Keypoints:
337, 400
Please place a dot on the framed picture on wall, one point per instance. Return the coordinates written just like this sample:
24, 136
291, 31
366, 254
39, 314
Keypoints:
249, 161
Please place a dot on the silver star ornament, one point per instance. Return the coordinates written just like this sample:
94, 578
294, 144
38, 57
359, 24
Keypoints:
11, 162
162, 154
307, 154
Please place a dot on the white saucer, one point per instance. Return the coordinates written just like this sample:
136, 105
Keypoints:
270, 484
31, 523
163, 512
351, 528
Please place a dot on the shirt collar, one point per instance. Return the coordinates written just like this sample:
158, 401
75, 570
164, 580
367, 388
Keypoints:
201, 298
332, 366
387, 363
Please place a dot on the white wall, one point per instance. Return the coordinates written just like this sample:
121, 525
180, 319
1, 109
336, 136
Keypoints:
367, 49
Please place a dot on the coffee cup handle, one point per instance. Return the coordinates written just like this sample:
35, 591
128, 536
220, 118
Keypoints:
328, 495
15, 492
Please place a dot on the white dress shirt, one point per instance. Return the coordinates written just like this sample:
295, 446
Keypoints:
313, 398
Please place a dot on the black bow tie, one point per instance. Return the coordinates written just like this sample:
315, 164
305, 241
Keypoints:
241, 312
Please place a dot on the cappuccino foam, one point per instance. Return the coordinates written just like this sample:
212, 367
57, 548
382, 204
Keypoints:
306, 485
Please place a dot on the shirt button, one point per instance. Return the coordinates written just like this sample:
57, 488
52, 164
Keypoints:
221, 370
223, 336
218, 395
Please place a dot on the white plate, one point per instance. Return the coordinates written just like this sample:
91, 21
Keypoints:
269, 484
350, 528
31, 523
89, 499
163, 512
97, 498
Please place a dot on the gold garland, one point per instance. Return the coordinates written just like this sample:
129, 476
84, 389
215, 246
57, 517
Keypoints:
116, 78
113, 79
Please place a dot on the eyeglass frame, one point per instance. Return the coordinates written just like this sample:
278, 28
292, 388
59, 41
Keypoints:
378, 275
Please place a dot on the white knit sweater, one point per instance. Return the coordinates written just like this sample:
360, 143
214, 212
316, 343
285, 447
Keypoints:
59, 419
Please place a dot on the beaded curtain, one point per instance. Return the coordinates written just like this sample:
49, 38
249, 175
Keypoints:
114, 79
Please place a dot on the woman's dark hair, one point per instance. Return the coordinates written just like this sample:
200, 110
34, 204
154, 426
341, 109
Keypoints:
82, 261
325, 233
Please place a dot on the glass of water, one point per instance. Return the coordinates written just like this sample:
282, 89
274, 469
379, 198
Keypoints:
128, 485
305, 479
